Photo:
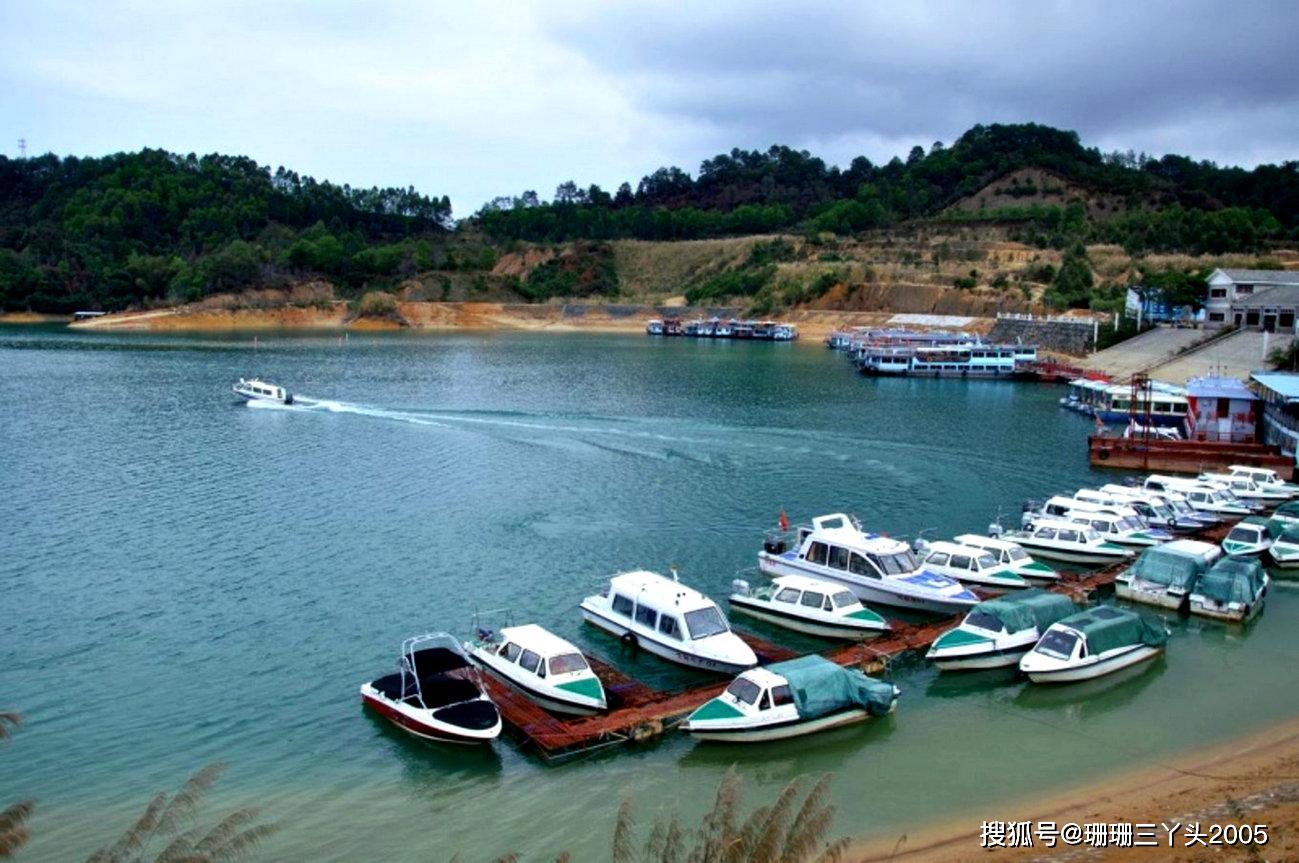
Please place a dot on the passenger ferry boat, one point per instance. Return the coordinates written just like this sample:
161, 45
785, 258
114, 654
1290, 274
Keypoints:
1057, 539
973, 567
1232, 591
878, 569
670, 620
998, 632
808, 605
1013, 554
1093, 643
790, 699
436, 693
542, 666
977, 360
1165, 575
1112, 403
258, 390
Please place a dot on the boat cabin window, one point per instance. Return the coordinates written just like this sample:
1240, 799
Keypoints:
765, 704
622, 605
817, 553
1068, 536
812, 599
510, 651
896, 564
1243, 534
960, 561
567, 663
647, 616
859, 565
668, 626
838, 557
529, 661
1054, 509
1090, 535
844, 598
1197, 496
938, 558
1057, 643
744, 690
1015, 553
983, 620
1045, 533
1153, 485
789, 595
781, 695
1100, 526
703, 622
986, 561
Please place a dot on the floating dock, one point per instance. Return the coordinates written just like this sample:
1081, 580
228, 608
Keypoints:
639, 713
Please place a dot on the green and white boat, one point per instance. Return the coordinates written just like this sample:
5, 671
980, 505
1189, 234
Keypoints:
1094, 643
808, 605
790, 699
541, 665
1232, 591
1013, 554
1287, 512
971, 566
1264, 477
1165, 575
1069, 542
1249, 537
1285, 543
998, 632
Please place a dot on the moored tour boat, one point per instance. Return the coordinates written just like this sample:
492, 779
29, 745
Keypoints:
998, 632
541, 665
1165, 575
1232, 591
1092, 643
1070, 542
973, 567
435, 694
1020, 561
789, 699
258, 390
809, 606
669, 620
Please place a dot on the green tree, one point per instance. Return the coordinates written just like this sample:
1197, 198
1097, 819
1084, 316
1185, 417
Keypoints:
1073, 283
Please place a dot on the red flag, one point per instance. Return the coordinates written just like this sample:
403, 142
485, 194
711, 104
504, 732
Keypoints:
784, 519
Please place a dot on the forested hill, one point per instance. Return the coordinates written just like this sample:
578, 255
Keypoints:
130, 228
1171, 203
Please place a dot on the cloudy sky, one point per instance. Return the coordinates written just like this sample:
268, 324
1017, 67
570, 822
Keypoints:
477, 99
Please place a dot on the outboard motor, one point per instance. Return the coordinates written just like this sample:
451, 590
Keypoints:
995, 529
773, 545
739, 585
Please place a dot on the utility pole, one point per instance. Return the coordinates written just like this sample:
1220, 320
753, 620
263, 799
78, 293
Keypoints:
22, 148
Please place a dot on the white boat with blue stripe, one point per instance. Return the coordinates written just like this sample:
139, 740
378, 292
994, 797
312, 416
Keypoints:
878, 569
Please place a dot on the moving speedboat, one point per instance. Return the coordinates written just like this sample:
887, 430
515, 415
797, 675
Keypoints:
789, 699
998, 632
257, 390
1233, 590
1070, 542
436, 693
669, 620
543, 666
1012, 554
808, 605
1249, 536
971, 566
878, 569
1166, 575
1093, 643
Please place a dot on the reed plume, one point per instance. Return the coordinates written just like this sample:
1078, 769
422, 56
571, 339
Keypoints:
13, 820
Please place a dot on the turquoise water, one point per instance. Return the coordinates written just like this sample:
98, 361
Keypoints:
186, 579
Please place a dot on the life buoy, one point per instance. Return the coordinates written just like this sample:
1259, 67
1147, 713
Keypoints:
1103, 455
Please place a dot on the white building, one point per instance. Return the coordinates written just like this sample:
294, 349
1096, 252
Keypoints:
1253, 299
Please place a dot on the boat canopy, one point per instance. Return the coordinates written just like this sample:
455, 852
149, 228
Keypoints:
1232, 580
1169, 567
819, 686
1282, 531
1107, 628
1028, 608
1290, 508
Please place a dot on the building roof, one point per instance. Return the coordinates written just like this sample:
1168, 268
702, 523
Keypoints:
1278, 295
1285, 384
1262, 277
1217, 387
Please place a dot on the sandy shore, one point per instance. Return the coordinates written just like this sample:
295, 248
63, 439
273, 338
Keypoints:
1254, 780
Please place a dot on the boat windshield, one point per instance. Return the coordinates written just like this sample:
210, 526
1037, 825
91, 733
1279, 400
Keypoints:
1130, 523
1243, 534
896, 564
987, 561
1057, 643
703, 622
843, 598
1090, 535
744, 690
1016, 553
567, 663
982, 620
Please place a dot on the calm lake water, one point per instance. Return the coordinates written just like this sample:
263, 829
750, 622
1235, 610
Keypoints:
186, 579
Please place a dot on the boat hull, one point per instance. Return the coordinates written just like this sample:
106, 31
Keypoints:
551, 701
875, 591
420, 723
1072, 674
663, 651
778, 731
760, 610
1005, 656
1069, 556
1157, 597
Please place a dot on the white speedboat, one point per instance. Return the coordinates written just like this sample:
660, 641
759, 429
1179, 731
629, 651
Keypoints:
1121, 530
998, 632
436, 693
1247, 490
1264, 477
809, 606
1248, 537
669, 620
789, 699
971, 566
1069, 542
1232, 591
257, 390
1202, 497
1092, 643
1165, 575
1158, 510
1285, 543
878, 569
541, 665
1013, 554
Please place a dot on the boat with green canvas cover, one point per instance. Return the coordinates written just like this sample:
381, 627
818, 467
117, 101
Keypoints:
1092, 643
1287, 512
789, 699
1285, 543
1232, 591
1248, 537
998, 632
1165, 575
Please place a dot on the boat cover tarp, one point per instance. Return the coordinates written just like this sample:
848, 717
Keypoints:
1290, 508
820, 686
1168, 567
1285, 531
1232, 580
1107, 628
1028, 608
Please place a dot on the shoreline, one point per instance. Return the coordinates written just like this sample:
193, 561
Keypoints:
1252, 779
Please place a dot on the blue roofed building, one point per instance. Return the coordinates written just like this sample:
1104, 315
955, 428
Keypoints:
1279, 392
